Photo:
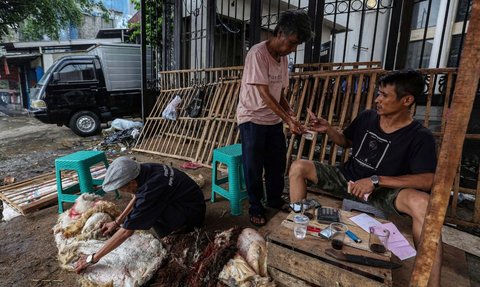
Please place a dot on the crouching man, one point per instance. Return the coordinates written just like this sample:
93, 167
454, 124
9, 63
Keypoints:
393, 157
164, 199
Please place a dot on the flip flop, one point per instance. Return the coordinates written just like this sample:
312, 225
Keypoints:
254, 219
191, 165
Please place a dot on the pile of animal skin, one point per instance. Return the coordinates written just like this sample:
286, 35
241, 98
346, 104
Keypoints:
233, 257
78, 230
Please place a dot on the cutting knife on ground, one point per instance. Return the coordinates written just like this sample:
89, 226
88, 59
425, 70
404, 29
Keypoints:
360, 259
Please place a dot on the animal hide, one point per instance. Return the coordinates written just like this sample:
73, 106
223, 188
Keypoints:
195, 259
238, 273
131, 264
249, 267
253, 248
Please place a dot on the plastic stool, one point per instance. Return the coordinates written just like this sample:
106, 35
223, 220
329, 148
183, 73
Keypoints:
231, 156
80, 162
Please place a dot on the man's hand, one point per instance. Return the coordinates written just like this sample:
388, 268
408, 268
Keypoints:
362, 187
81, 264
295, 126
317, 124
109, 228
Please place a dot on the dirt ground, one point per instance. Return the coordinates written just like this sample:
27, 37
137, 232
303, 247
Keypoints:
27, 248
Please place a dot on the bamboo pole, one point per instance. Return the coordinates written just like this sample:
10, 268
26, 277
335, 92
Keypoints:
451, 149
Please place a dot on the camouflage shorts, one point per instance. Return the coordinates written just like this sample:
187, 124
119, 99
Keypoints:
331, 180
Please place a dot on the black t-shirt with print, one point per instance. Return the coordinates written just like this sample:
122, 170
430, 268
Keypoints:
161, 187
409, 150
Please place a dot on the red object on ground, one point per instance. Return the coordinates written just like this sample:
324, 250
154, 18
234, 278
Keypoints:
191, 165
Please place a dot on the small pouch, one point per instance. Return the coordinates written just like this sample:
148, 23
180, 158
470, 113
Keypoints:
327, 215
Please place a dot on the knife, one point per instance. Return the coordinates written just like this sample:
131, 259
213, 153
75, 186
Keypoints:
360, 259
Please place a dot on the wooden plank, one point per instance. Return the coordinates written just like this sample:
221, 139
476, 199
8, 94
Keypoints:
318, 269
431, 85
451, 149
283, 279
310, 107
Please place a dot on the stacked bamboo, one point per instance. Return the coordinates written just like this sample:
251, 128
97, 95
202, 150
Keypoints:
40, 191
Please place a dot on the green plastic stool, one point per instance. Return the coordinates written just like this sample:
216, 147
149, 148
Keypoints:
231, 156
80, 162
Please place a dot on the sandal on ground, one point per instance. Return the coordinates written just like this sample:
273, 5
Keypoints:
258, 219
284, 207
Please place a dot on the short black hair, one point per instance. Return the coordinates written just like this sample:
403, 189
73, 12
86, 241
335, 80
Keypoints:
406, 82
295, 22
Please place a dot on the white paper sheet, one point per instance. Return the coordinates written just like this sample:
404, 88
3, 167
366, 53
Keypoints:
365, 221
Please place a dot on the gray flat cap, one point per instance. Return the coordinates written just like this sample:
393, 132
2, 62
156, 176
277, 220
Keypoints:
120, 172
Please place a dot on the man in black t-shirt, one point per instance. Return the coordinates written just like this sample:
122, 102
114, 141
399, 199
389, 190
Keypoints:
393, 157
164, 199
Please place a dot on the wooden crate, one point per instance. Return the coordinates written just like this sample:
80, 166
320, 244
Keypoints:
293, 262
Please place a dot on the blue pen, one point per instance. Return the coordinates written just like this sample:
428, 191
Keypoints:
353, 236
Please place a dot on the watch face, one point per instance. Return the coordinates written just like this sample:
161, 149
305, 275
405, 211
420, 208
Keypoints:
374, 179
90, 258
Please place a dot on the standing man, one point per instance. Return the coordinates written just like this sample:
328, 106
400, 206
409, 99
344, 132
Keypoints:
164, 199
393, 158
261, 109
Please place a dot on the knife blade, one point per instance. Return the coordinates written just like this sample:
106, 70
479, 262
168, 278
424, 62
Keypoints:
360, 259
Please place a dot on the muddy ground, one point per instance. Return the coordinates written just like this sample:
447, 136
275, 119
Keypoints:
27, 249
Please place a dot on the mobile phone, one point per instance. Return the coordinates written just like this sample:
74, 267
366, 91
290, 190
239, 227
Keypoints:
296, 207
326, 233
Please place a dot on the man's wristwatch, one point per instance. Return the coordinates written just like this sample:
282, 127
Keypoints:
90, 258
375, 181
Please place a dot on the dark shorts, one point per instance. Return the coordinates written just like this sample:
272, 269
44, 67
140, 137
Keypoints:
331, 180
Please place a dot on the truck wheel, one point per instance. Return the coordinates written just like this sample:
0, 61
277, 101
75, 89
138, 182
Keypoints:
85, 123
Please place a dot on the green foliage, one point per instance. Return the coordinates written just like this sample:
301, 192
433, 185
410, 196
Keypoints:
48, 17
153, 22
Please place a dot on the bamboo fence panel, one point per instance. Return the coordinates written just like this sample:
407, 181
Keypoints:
189, 138
337, 93
35, 193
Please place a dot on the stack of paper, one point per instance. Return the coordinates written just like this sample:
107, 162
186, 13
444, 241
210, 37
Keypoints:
397, 243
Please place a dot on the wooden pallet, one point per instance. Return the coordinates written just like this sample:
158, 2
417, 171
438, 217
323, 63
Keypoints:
40, 191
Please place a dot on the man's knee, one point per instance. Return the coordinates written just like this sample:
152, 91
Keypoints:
413, 202
301, 168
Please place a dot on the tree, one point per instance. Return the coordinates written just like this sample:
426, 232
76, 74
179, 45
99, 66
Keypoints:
45, 17
153, 22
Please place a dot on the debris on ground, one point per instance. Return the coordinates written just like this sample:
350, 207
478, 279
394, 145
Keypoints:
8, 180
196, 258
120, 136
232, 257
78, 231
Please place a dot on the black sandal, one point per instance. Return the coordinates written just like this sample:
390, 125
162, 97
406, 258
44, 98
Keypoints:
258, 219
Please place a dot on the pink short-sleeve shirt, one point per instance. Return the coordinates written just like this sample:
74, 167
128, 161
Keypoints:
261, 69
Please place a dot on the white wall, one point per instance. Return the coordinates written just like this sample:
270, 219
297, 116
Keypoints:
367, 37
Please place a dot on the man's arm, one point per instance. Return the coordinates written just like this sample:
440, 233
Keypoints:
109, 227
116, 240
422, 181
285, 105
275, 106
321, 125
126, 211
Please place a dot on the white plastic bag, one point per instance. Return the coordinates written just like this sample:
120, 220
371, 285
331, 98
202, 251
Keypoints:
121, 124
170, 112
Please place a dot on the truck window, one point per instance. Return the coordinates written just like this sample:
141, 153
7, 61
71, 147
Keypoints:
77, 72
